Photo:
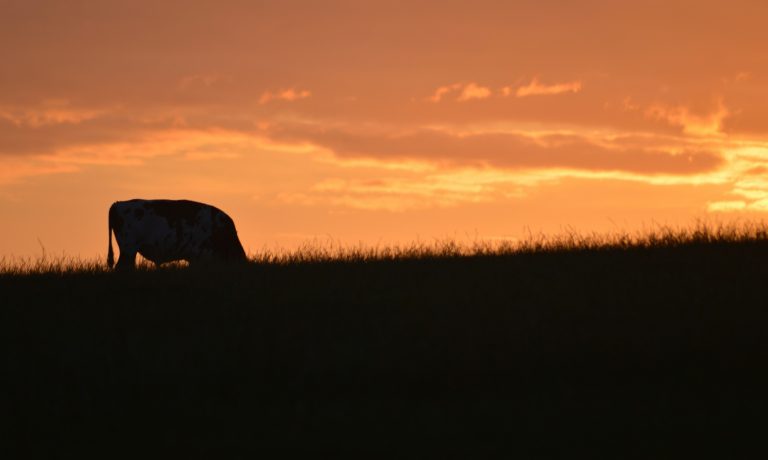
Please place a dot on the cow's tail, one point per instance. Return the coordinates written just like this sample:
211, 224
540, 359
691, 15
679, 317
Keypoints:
110, 253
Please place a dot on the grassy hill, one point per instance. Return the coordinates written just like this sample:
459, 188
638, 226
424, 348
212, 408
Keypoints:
622, 345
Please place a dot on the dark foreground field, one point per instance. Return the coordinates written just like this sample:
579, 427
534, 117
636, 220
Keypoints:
627, 352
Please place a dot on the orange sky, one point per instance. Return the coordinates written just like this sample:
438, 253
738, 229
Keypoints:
381, 121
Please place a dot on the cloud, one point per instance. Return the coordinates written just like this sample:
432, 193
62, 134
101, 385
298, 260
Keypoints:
289, 95
437, 96
536, 88
398, 194
188, 145
501, 150
13, 169
707, 124
468, 91
473, 91
465, 92
49, 112
49, 136
726, 206
737, 206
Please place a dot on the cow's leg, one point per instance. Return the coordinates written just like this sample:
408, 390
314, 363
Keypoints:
126, 261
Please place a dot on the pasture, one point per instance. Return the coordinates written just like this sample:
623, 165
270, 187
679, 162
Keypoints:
623, 345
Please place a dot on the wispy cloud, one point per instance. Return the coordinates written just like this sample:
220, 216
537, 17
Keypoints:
398, 194
467, 91
474, 91
706, 124
13, 170
49, 112
500, 149
746, 175
289, 95
727, 206
536, 88
442, 91
463, 92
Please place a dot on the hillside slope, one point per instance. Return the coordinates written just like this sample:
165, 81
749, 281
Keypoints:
543, 352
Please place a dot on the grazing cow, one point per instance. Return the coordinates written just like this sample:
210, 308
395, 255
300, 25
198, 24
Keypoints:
167, 230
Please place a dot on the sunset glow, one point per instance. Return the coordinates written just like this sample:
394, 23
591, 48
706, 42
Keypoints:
381, 122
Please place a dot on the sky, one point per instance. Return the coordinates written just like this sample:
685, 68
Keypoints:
381, 122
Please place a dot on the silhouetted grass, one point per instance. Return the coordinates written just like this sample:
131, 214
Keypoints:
329, 251
621, 344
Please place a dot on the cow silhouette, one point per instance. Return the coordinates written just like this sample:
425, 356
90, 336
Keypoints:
170, 230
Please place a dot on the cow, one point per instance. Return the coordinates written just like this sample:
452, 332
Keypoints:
169, 230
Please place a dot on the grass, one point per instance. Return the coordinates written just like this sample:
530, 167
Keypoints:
329, 251
623, 345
